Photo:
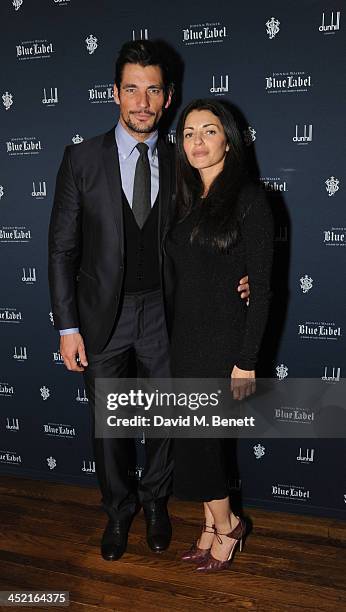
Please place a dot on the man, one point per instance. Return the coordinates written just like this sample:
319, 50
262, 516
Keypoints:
110, 214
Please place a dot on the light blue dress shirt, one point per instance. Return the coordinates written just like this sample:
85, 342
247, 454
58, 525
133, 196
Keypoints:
128, 156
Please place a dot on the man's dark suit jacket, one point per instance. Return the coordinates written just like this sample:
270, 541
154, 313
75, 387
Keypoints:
86, 236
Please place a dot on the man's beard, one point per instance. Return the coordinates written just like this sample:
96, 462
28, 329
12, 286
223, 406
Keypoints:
139, 129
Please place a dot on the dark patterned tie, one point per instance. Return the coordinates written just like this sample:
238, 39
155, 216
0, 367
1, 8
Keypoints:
141, 199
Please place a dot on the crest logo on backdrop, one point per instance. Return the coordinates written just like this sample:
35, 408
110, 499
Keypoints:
306, 283
91, 43
2, 192
273, 27
281, 371
7, 100
249, 136
51, 462
45, 392
332, 185
77, 139
259, 451
17, 4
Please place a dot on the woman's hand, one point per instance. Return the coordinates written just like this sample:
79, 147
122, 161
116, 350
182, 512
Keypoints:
243, 383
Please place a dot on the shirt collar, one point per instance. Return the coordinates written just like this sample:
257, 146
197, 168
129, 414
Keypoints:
126, 143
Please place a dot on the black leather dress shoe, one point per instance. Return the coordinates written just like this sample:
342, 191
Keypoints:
159, 529
114, 539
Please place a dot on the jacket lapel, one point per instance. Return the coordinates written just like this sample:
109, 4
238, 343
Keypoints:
111, 165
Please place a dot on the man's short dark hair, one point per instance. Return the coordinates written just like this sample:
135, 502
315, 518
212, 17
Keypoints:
144, 53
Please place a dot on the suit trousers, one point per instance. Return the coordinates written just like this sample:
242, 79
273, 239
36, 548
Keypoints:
140, 328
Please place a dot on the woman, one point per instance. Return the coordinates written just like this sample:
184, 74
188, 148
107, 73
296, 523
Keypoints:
222, 230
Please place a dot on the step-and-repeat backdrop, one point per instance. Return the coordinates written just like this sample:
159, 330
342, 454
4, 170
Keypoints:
282, 66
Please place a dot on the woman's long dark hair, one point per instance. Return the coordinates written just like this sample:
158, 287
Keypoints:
218, 225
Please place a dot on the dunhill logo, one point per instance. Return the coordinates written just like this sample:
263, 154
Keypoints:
12, 424
142, 34
308, 457
332, 27
30, 276
81, 397
306, 137
41, 192
90, 468
332, 375
220, 87
20, 354
172, 137
52, 98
